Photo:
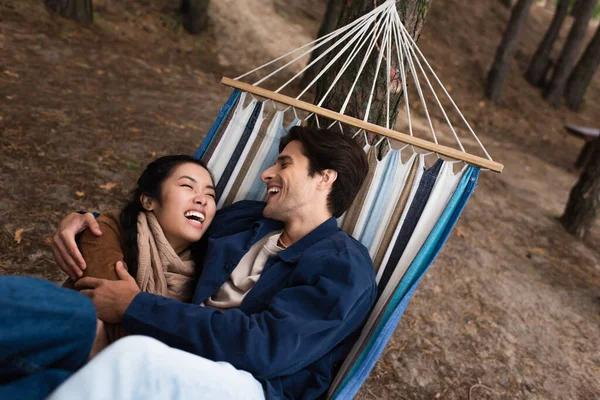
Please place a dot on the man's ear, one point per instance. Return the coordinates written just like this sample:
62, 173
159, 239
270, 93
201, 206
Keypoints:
328, 176
147, 202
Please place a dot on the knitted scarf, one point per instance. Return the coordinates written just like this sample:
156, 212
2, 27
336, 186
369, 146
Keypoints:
160, 270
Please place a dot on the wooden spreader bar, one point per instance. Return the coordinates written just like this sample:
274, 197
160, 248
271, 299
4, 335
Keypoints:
367, 126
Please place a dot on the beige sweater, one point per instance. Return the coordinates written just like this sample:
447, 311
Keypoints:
246, 273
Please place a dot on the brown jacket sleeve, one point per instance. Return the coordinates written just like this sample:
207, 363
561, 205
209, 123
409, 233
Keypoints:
101, 253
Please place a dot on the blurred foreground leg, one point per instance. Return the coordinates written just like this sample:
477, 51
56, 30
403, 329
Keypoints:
138, 367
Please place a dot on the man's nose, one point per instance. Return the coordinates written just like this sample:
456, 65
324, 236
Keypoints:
267, 175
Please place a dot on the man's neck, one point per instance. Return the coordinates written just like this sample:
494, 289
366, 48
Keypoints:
299, 227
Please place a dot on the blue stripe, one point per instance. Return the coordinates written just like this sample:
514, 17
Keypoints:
397, 305
223, 113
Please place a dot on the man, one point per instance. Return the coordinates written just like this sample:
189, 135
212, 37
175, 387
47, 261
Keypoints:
282, 289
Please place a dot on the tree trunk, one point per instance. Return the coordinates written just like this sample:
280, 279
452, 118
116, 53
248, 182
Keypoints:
556, 87
506, 50
79, 10
195, 15
328, 25
540, 63
412, 14
575, 8
584, 200
583, 73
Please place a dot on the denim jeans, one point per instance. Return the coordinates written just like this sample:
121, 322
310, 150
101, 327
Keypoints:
46, 334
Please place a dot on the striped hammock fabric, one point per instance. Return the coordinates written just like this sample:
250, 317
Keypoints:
403, 214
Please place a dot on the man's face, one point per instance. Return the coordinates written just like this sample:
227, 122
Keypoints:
292, 193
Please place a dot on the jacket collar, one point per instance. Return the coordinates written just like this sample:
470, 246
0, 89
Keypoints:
323, 231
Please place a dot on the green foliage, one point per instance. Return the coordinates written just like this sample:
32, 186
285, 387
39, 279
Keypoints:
596, 9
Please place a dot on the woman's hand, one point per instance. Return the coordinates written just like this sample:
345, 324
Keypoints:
64, 247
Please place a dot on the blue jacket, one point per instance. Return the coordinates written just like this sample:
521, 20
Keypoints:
297, 323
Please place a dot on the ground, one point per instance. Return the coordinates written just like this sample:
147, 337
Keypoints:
511, 307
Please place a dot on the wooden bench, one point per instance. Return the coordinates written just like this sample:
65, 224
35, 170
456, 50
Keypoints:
587, 134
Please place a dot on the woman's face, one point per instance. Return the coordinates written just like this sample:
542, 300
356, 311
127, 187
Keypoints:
187, 205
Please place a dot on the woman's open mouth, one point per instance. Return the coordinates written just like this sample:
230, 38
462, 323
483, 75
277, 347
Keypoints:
195, 217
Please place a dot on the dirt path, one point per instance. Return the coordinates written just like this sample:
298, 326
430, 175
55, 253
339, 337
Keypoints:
511, 308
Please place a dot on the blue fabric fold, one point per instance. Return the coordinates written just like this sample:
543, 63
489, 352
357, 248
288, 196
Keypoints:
223, 113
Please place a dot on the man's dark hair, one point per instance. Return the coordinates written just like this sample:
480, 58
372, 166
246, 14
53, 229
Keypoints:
328, 149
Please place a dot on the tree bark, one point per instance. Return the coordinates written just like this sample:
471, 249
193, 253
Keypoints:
412, 14
583, 73
556, 87
575, 8
584, 200
79, 10
506, 50
540, 63
328, 25
195, 15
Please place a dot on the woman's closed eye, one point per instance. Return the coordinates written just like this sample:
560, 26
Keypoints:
186, 185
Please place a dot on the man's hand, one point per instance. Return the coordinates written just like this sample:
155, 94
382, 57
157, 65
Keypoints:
111, 298
66, 253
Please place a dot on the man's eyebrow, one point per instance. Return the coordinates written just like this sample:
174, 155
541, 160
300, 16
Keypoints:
284, 158
188, 177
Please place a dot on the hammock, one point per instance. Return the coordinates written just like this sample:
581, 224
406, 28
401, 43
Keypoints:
409, 203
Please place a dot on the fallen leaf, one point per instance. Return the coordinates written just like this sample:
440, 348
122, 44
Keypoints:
448, 88
459, 232
100, 72
153, 154
538, 251
79, 194
10, 97
48, 240
108, 186
41, 154
434, 315
437, 395
482, 104
18, 234
11, 74
437, 289
133, 129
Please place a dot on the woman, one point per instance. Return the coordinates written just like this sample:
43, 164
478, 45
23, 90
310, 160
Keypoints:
53, 330
171, 208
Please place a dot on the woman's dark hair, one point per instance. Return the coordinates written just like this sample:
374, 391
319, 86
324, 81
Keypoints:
328, 149
149, 183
